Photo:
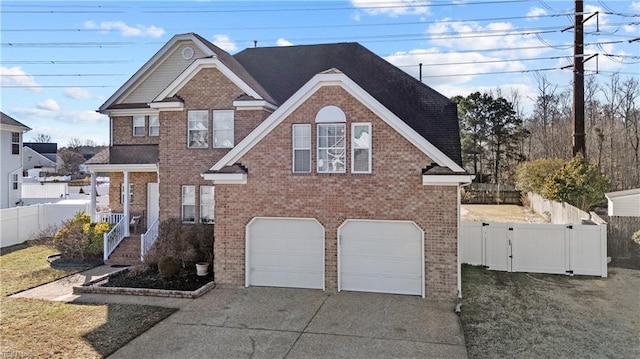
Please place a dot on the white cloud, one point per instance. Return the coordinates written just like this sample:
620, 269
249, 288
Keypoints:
635, 5
469, 36
461, 64
224, 42
77, 93
356, 16
602, 19
15, 76
126, 30
283, 42
392, 8
534, 12
48, 105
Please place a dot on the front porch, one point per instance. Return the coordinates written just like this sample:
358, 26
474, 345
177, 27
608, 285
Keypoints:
129, 239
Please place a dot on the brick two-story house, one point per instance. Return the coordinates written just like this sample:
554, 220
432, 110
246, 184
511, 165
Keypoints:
323, 166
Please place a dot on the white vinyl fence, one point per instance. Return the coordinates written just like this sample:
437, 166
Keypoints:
19, 224
536, 248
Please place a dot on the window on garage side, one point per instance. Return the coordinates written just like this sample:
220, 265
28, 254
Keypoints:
301, 148
138, 126
223, 129
154, 125
207, 204
331, 148
198, 129
189, 204
361, 148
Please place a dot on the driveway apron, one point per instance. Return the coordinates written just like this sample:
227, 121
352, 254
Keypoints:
298, 323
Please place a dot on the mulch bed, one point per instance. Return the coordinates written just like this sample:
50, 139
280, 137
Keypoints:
137, 277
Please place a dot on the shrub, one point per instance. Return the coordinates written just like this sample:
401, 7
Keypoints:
188, 243
636, 237
168, 266
578, 183
79, 239
532, 176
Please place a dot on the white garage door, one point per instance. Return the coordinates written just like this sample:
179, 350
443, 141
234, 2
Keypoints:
285, 252
381, 256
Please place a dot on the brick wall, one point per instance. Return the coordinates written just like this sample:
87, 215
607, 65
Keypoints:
139, 180
123, 132
392, 191
179, 165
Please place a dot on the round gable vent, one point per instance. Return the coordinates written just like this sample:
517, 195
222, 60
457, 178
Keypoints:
187, 53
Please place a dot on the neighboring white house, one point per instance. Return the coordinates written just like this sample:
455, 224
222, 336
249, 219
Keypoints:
39, 159
11, 132
624, 203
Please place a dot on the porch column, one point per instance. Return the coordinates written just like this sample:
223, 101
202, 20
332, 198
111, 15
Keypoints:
127, 199
94, 215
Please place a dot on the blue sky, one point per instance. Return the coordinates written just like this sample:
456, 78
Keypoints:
61, 60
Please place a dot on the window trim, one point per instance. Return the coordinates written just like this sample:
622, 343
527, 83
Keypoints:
203, 204
183, 204
143, 126
294, 148
155, 126
233, 127
318, 148
15, 145
353, 147
206, 145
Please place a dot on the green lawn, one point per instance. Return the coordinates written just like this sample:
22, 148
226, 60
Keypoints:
43, 329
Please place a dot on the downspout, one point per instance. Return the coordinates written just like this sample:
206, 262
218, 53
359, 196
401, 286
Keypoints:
458, 308
94, 215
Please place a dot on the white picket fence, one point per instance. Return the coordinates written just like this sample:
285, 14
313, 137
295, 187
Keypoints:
537, 248
19, 224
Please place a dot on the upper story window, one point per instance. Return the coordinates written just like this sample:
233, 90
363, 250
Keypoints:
301, 148
154, 125
223, 128
198, 129
360, 148
331, 140
15, 143
138, 126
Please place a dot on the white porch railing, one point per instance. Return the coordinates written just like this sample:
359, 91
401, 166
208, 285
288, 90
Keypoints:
148, 239
115, 236
109, 217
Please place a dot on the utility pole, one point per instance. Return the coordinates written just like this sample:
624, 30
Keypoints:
579, 145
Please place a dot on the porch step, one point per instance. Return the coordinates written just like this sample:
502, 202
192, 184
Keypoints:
127, 252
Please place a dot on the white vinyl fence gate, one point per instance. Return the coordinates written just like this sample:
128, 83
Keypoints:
538, 248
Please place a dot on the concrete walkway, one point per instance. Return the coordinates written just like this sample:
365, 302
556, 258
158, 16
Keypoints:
62, 290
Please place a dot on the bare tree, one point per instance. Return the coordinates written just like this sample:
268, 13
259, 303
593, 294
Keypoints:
42, 138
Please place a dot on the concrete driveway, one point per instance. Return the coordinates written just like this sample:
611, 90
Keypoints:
298, 323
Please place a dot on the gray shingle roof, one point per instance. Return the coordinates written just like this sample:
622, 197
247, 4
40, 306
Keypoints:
284, 70
133, 154
8, 120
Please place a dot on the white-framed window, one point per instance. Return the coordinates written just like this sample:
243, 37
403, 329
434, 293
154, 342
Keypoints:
360, 148
154, 125
301, 148
189, 204
130, 193
15, 181
138, 126
15, 143
223, 128
207, 204
198, 129
331, 148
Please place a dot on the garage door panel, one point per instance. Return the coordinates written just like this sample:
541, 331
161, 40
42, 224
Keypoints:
285, 252
381, 256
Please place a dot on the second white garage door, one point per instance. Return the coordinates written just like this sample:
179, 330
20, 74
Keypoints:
381, 256
285, 252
